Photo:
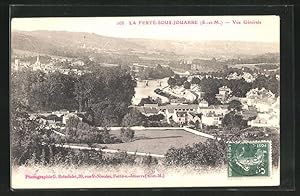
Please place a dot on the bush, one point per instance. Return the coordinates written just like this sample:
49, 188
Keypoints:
84, 133
29, 137
149, 161
67, 157
133, 118
120, 158
210, 153
126, 134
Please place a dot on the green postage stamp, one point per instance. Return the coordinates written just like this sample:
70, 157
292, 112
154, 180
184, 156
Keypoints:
249, 158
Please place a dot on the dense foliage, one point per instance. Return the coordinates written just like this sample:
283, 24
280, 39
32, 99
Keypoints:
157, 72
210, 153
28, 135
133, 118
235, 105
127, 134
234, 120
33, 143
80, 132
105, 93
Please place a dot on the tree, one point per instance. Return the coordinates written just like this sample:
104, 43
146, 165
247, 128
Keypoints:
51, 91
273, 85
83, 91
81, 132
29, 137
211, 99
73, 121
210, 85
109, 114
235, 105
172, 82
239, 87
233, 120
181, 81
126, 134
149, 100
157, 117
187, 85
210, 153
260, 82
133, 118
195, 80
176, 77
161, 72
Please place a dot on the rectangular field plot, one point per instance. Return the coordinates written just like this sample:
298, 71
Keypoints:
156, 141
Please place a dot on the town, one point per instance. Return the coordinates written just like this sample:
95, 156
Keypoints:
180, 98
80, 98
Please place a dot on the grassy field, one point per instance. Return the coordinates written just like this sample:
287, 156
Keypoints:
156, 141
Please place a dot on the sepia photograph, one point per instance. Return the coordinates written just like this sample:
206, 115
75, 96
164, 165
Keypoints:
145, 102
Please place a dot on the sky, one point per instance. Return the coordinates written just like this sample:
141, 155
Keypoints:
268, 29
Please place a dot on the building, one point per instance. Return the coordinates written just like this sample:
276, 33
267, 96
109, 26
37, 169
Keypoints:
265, 120
196, 89
180, 117
177, 101
259, 94
212, 119
268, 113
180, 107
217, 109
60, 113
224, 94
66, 117
248, 77
149, 109
234, 76
151, 105
187, 113
203, 104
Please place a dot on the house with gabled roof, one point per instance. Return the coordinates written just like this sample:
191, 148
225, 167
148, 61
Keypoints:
217, 109
212, 119
180, 117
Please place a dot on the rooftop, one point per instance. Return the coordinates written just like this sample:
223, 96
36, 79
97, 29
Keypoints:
180, 106
222, 107
181, 114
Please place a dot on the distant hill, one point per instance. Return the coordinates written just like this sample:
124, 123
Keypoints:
210, 48
66, 43
74, 44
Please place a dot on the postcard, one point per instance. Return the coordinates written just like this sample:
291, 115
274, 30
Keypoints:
145, 102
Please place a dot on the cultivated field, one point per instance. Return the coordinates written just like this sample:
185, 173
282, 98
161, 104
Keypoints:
156, 141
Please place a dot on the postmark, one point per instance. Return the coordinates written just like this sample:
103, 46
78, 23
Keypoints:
249, 158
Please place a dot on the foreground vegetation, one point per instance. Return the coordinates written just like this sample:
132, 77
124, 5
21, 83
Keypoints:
39, 147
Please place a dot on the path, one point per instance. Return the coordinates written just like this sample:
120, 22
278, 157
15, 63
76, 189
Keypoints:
108, 150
